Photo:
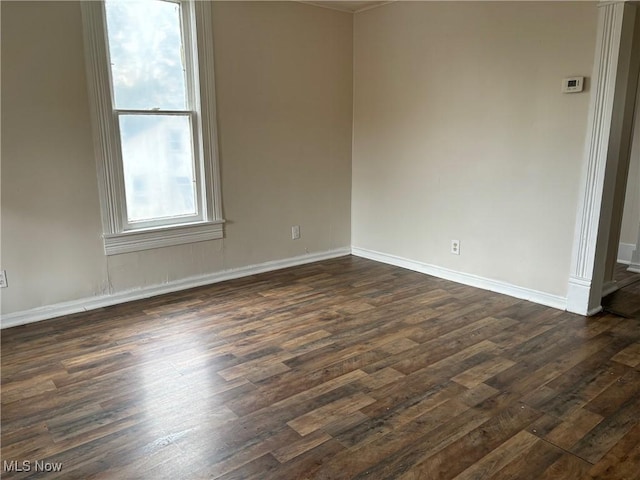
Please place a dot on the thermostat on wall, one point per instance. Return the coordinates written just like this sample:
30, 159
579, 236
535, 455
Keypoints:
572, 84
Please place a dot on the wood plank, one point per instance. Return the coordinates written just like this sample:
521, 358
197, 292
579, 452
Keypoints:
532, 463
327, 414
499, 457
574, 427
567, 466
629, 356
479, 373
604, 436
618, 457
287, 452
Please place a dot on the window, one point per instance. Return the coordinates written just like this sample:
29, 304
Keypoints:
151, 83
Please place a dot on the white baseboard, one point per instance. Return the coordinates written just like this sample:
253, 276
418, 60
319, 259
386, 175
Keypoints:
578, 296
625, 252
625, 256
465, 278
86, 304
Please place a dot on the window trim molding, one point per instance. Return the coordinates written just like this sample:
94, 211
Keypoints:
111, 192
147, 239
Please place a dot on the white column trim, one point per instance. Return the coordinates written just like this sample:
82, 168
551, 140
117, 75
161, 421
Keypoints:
582, 282
601, 111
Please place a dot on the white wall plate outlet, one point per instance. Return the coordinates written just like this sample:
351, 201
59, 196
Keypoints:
455, 247
295, 232
3, 279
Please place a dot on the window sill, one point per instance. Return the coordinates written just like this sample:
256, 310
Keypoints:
133, 241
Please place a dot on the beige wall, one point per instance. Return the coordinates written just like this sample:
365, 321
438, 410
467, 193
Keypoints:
631, 216
284, 90
51, 245
461, 132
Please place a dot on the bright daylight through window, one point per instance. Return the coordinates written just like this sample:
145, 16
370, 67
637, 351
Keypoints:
154, 121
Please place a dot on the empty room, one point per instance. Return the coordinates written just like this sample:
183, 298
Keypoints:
320, 240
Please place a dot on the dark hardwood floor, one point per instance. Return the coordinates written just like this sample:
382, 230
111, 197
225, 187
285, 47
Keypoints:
623, 276
341, 369
626, 300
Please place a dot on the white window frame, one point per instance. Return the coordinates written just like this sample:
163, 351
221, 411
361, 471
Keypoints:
121, 236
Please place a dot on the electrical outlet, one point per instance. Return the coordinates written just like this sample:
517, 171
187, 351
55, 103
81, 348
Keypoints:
455, 247
3, 279
295, 232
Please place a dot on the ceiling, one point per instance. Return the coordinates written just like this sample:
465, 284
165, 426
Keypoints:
348, 6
